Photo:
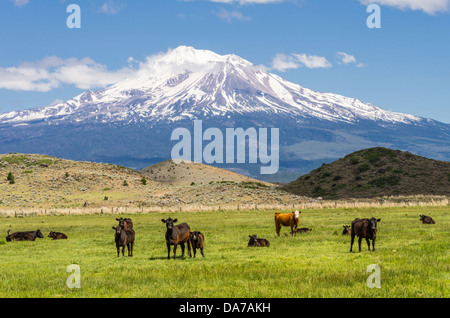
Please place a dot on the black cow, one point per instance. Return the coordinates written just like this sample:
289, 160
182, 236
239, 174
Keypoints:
177, 235
257, 242
57, 236
24, 236
127, 224
426, 219
304, 230
124, 238
347, 230
364, 228
197, 239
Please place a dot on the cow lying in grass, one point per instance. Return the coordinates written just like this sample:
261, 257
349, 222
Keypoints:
257, 242
289, 219
304, 230
57, 236
24, 236
364, 228
427, 219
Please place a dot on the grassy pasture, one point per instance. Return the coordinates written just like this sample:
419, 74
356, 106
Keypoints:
414, 258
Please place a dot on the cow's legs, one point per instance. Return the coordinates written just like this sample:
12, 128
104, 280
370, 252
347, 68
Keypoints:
351, 244
168, 251
359, 243
189, 248
278, 228
368, 243
373, 245
174, 251
182, 250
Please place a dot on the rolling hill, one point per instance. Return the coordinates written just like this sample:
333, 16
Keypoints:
170, 172
375, 172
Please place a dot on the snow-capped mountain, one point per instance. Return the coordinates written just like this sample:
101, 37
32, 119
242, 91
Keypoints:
131, 121
186, 83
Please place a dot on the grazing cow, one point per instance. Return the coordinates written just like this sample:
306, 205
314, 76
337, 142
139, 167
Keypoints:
364, 228
127, 224
24, 236
124, 238
426, 219
57, 236
257, 242
347, 230
197, 239
289, 219
304, 230
177, 235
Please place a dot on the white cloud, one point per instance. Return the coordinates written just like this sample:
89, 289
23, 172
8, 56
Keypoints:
111, 7
345, 58
52, 72
20, 3
283, 62
428, 6
248, 1
232, 15
312, 61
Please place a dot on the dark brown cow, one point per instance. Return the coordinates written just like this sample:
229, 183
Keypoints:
427, 219
57, 236
289, 219
364, 228
24, 236
127, 224
124, 238
257, 242
197, 240
347, 230
177, 235
304, 230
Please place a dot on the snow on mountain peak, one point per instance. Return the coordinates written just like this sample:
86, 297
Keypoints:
188, 83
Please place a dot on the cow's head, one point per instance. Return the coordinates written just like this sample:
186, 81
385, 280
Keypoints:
297, 214
253, 239
118, 229
194, 235
373, 224
422, 217
51, 234
39, 234
346, 229
169, 223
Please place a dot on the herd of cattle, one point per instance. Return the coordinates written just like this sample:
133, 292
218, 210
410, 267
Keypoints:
181, 234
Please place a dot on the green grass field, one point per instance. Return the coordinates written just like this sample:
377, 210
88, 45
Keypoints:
414, 258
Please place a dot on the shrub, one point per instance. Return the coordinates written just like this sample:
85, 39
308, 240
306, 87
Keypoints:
363, 168
144, 181
10, 178
125, 183
382, 182
67, 174
354, 160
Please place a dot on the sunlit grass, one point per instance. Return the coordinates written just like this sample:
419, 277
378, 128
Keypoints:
413, 257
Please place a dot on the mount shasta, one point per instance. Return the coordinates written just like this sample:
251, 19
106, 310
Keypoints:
130, 123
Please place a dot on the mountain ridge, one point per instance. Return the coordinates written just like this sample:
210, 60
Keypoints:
130, 123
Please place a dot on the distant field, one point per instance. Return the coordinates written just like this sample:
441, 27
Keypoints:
414, 258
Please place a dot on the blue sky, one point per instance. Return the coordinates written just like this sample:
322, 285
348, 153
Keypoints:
324, 45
